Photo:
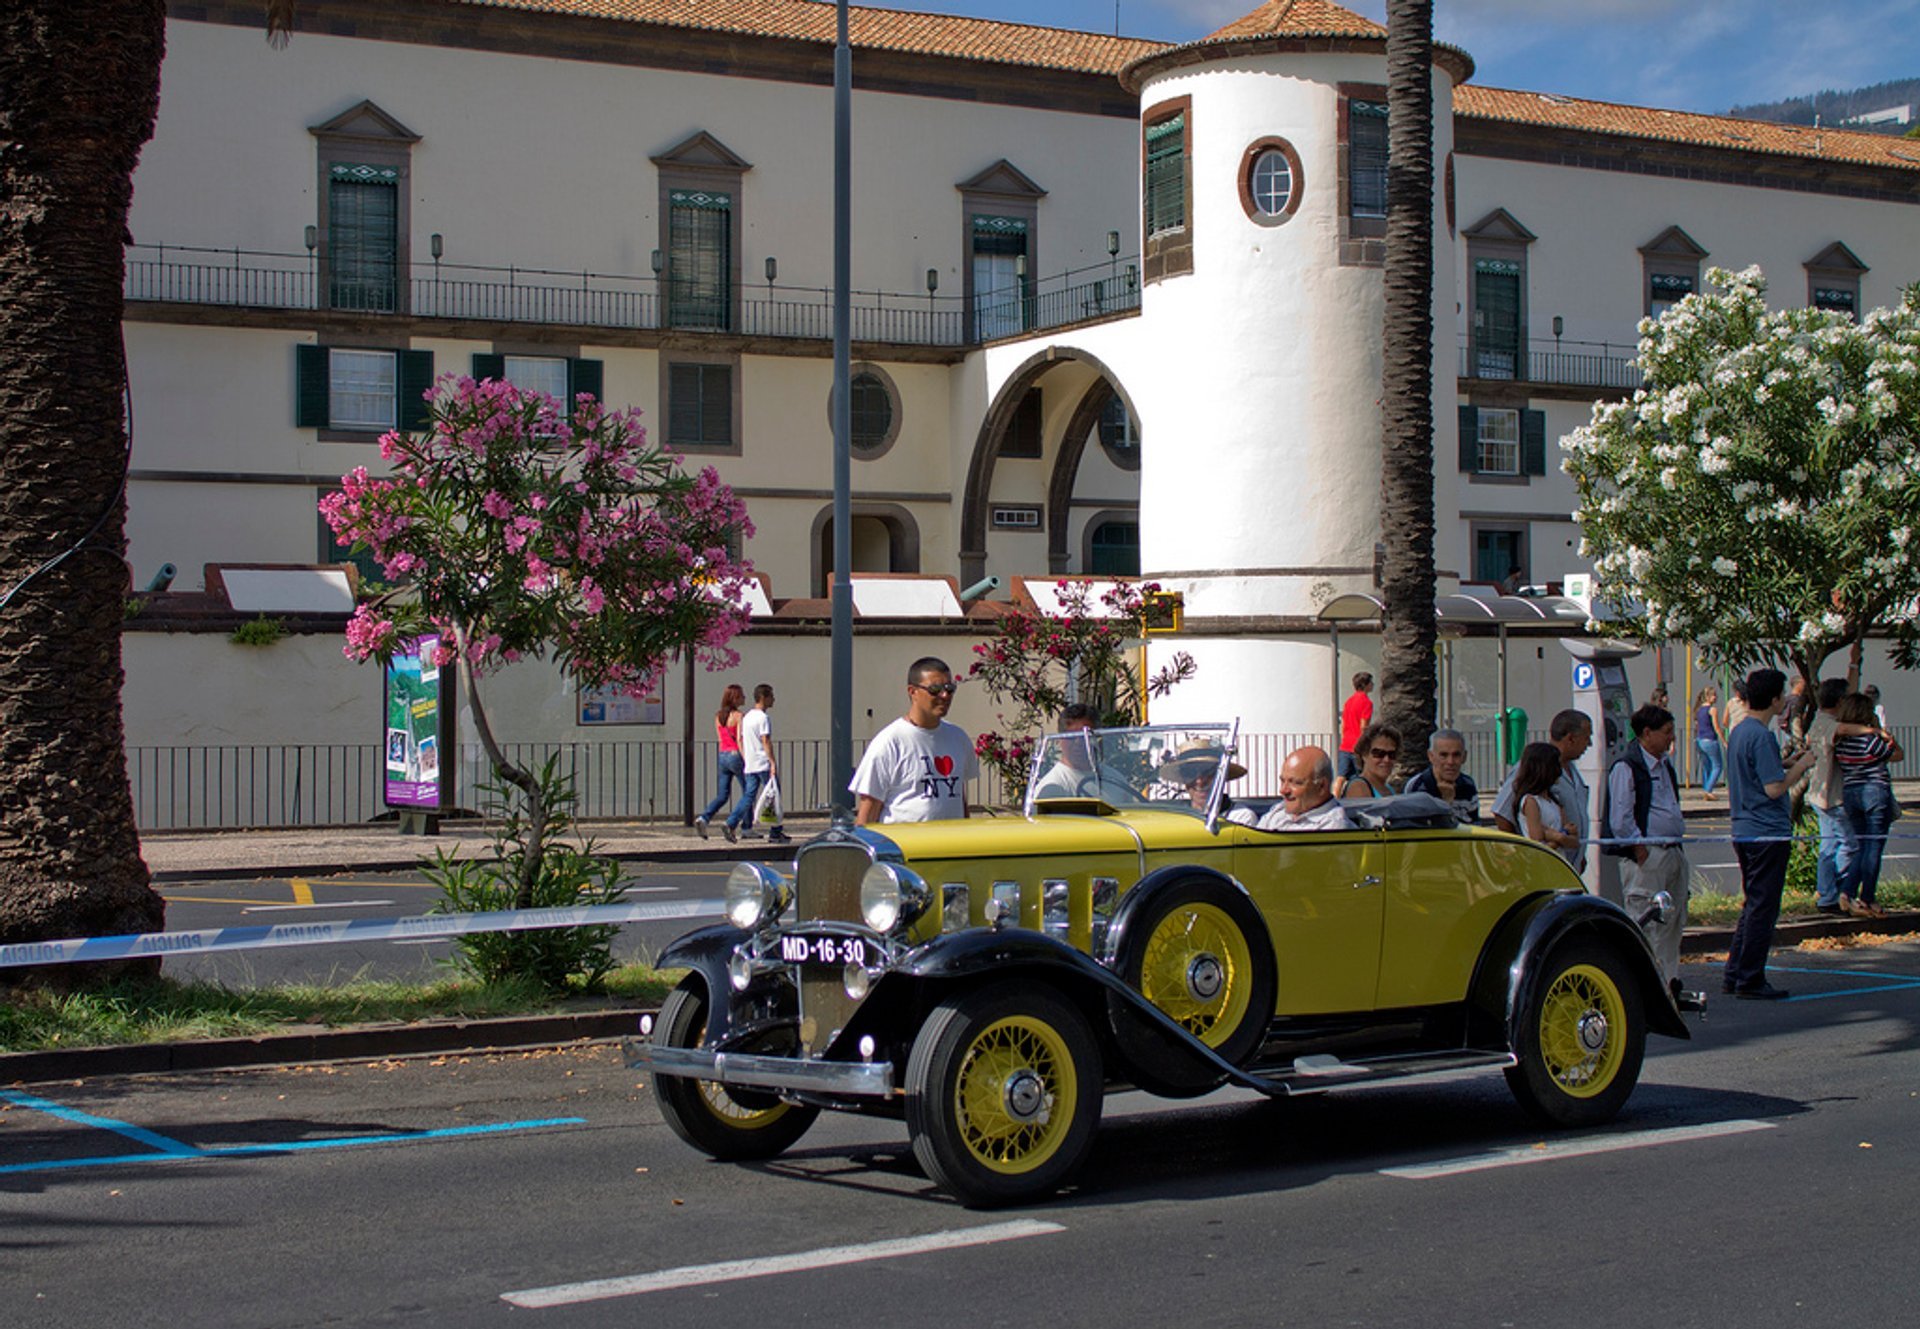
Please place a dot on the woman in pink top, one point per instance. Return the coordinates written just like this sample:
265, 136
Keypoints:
726, 727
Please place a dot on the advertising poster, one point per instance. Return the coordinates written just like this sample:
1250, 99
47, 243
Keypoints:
414, 727
606, 706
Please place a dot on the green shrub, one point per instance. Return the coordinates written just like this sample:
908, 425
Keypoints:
568, 876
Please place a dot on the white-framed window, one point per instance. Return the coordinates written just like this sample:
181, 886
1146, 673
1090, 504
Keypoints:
538, 373
1272, 182
362, 389
1499, 440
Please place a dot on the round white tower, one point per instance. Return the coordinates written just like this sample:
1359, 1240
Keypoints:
1264, 149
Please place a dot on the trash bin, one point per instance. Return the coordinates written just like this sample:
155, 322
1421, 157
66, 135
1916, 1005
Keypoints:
1513, 734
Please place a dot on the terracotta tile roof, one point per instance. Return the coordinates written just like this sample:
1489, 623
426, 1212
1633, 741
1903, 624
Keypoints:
872, 29
1299, 18
1716, 131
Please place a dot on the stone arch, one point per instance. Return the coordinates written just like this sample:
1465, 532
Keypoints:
993, 431
903, 540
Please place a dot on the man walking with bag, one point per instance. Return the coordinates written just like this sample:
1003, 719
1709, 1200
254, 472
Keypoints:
756, 750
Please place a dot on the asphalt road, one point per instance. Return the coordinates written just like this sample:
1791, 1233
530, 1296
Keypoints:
215, 904
1762, 1174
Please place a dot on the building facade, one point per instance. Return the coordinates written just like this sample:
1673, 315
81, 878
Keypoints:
1117, 304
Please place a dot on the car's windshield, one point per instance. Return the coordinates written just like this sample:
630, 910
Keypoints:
1172, 767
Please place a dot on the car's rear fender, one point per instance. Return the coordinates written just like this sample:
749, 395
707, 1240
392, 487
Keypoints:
1513, 963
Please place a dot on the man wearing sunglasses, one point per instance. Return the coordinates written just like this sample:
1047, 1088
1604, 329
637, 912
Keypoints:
917, 768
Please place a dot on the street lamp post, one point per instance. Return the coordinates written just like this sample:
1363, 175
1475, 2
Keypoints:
840, 699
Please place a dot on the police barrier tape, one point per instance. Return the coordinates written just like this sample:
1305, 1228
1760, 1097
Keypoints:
76, 950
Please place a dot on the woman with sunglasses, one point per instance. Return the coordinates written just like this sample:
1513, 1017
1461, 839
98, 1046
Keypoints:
1377, 748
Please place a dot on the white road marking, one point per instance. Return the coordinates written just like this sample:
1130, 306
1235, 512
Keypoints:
694, 1275
1552, 1152
327, 904
636, 890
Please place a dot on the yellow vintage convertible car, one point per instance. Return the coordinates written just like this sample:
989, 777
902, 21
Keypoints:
991, 979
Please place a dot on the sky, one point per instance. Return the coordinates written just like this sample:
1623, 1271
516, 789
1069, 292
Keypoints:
1684, 55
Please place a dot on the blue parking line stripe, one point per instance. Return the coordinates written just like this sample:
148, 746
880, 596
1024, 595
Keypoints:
1843, 973
1855, 992
170, 1147
293, 1146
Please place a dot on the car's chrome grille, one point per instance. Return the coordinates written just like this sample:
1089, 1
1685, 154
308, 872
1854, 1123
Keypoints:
827, 883
827, 889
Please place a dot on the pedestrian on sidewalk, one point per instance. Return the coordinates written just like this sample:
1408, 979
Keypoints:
1708, 737
1645, 829
917, 768
1757, 785
1540, 815
1355, 715
730, 766
1837, 845
756, 752
1571, 734
1867, 797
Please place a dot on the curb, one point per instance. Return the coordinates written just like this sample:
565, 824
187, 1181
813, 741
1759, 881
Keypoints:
1700, 941
374, 1043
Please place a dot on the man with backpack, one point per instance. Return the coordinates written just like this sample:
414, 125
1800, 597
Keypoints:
1645, 830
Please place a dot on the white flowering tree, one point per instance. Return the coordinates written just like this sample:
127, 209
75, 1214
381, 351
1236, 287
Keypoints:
1760, 495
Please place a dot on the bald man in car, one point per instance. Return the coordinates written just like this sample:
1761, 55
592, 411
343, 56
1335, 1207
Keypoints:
1306, 795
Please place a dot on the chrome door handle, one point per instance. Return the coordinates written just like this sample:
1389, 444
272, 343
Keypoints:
1366, 881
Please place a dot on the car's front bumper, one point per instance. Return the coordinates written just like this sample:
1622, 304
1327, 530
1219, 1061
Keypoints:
749, 1070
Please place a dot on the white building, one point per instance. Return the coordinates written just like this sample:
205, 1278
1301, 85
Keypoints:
1118, 304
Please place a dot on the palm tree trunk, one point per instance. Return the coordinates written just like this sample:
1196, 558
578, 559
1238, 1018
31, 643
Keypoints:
1409, 679
79, 90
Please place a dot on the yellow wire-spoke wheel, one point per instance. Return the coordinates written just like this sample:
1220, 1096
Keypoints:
1582, 1030
1003, 1092
1198, 968
1014, 1095
739, 1115
723, 1122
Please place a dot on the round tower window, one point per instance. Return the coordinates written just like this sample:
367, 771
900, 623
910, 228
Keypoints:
1270, 181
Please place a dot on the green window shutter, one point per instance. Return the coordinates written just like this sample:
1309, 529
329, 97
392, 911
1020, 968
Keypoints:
489, 366
683, 405
583, 376
363, 237
1469, 439
1366, 158
312, 387
1166, 183
1533, 442
416, 376
716, 405
700, 259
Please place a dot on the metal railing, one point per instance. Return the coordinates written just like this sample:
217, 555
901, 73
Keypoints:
188, 274
1564, 361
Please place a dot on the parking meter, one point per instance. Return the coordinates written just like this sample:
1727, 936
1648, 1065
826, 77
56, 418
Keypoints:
1602, 694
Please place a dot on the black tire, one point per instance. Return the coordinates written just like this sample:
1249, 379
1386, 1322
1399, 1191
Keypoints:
1581, 1038
1004, 1088
729, 1124
1200, 953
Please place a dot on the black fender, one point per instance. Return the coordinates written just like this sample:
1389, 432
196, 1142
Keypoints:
957, 958
1512, 966
706, 951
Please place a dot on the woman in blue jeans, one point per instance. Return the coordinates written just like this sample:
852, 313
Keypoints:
1706, 738
1867, 792
726, 728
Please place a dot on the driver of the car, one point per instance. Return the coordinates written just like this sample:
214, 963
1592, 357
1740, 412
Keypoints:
1306, 795
1076, 774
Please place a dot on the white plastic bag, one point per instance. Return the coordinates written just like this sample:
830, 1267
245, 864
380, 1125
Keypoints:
766, 804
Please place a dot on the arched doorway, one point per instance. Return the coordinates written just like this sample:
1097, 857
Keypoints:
885, 538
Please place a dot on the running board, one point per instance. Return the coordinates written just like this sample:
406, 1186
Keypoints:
1317, 1074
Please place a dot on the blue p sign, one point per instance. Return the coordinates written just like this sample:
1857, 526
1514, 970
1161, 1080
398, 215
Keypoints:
1582, 676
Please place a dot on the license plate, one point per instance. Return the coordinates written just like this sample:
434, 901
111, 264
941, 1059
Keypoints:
827, 949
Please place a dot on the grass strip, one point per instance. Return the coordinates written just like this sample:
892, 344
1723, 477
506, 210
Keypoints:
1708, 909
165, 1010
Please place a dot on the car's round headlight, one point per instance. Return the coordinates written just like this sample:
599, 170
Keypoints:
890, 896
755, 894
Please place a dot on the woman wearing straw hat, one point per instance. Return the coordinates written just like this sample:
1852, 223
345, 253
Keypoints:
1189, 772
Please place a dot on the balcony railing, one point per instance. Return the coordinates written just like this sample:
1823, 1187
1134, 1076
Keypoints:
1586, 364
185, 274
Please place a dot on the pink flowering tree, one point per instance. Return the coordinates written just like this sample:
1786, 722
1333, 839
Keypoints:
516, 529
1087, 650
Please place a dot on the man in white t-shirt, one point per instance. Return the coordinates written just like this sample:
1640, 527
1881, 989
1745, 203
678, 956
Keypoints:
917, 768
756, 754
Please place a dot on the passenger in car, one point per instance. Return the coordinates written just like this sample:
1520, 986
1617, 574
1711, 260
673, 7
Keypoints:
1306, 795
1377, 750
1077, 774
1188, 774
1445, 777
